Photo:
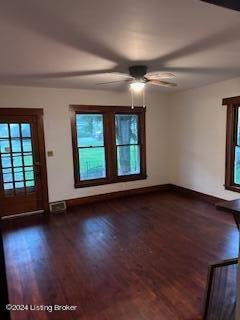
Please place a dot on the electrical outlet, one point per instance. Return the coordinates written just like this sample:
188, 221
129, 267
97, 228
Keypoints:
50, 153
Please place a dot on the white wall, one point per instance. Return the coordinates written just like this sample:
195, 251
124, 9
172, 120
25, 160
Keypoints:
186, 134
58, 134
197, 138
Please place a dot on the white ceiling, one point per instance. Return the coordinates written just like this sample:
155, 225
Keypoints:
53, 43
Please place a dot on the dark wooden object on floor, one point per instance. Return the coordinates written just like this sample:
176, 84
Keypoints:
232, 207
142, 257
221, 297
4, 313
221, 291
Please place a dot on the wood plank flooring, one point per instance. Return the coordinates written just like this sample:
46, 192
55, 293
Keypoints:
223, 297
139, 258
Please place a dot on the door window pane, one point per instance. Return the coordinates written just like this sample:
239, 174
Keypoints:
29, 175
14, 130
17, 160
6, 160
4, 130
26, 130
27, 145
7, 177
8, 186
18, 176
30, 183
28, 160
16, 145
4, 146
92, 163
19, 185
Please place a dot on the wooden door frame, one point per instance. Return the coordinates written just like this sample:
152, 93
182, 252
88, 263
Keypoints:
38, 113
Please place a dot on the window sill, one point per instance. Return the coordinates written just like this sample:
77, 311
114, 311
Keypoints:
234, 188
94, 183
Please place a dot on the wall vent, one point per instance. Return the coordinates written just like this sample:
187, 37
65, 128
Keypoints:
57, 207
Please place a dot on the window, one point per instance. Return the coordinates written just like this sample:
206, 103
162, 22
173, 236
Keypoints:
232, 174
108, 144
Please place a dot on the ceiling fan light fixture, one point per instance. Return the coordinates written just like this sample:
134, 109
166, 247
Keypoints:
137, 86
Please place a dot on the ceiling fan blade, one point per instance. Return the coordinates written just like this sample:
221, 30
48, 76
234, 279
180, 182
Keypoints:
162, 83
160, 75
230, 4
64, 74
116, 81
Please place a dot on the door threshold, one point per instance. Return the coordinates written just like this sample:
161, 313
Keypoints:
18, 215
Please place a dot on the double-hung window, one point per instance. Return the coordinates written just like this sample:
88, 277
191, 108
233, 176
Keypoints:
108, 144
232, 174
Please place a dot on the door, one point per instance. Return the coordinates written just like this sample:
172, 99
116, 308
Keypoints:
23, 184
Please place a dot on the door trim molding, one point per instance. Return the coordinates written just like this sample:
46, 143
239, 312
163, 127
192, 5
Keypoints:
21, 111
38, 113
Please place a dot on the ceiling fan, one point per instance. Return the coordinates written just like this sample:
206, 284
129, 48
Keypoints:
138, 77
230, 4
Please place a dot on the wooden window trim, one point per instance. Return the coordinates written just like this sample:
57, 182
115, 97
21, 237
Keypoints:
109, 142
233, 105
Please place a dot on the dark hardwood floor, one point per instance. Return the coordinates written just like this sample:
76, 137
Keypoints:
143, 257
223, 294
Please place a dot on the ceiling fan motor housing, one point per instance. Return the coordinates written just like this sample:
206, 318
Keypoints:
138, 72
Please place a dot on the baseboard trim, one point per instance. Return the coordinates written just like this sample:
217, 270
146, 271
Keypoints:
195, 194
131, 192
116, 194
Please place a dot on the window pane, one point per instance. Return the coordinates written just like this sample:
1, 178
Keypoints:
29, 175
4, 146
16, 145
27, 169
27, 145
8, 186
128, 160
3, 130
6, 161
30, 183
89, 130
17, 160
126, 129
7, 177
92, 163
19, 185
28, 160
14, 130
18, 176
237, 166
26, 130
